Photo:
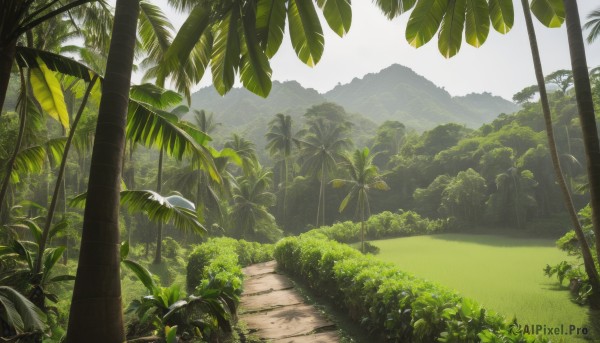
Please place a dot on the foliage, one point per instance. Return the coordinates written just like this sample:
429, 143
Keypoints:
222, 259
386, 300
382, 225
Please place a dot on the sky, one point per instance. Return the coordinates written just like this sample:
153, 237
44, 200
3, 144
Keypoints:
502, 66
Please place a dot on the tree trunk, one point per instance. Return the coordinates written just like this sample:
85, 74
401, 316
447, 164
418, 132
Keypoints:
588, 260
7, 56
285, 184
587, 118
11, 162
96, 310
320, 195
59, 178
159, 227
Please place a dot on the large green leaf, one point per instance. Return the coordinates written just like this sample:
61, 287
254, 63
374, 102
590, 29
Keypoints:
155, 128
477, 25
305, 31
394, 8
21, 313
255, 69
154, 96
226, 51
48, 92
154, 30
159, 209
450, 35
551, 13
424, 21
142, 274
338, 14
51, 256
502, 14
29, 58
188, 36
270, 24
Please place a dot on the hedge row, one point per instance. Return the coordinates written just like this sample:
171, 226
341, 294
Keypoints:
223, 259
388, 301
384, 225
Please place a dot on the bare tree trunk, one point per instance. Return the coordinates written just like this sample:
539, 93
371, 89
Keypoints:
96, 310
11, 162
159, 227
7, 56
588, 260
585, 104
60, 178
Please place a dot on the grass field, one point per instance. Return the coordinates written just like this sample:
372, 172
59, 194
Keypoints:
503, 274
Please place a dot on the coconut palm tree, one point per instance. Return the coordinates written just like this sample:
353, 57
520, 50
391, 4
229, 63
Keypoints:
364, 176
280, 142
321, 147
251, 200
245, 149
593, 24
96, 309
205, 122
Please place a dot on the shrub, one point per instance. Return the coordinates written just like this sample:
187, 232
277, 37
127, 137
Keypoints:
223, 258
383, 225
387, 300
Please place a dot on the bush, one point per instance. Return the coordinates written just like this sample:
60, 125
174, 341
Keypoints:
223, 258
389, 301
383, 225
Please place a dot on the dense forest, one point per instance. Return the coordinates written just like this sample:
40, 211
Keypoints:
128, 211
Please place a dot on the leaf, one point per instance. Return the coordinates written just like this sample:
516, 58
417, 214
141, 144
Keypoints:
255, 69
450, 35
58, 228
171, 334
31, 317
394, 8
338, 14
48, 92
62, 278
270, 25
305, 31
154, 30
124, 250
30, 58
188, 35
337, 183
551, 13
154, 96
477, 25
142, 274
346, 200
424, 21
51, 256
502, 15
226, 51
34, 229
159, 209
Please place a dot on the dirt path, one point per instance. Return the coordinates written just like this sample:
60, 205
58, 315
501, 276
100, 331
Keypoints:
273, 310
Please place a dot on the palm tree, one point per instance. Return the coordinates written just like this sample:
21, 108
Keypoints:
321, 148
251, 200
96, 309
245, 149
364, 176
280, 142
205, 122
593, 24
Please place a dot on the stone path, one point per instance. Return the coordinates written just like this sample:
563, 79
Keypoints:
273, 310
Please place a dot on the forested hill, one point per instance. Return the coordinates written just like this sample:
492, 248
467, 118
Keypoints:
395, 93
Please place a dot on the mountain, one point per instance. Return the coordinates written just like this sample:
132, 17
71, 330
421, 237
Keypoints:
394, 93
398, 93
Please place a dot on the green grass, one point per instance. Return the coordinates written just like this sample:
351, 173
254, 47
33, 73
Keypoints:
502, 273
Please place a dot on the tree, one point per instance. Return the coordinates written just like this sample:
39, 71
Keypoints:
205, 122
321, 147
364, 176
593, 24
96, 310
526, 94
563, 79
251, 200
464, 196
280, 142
19, 17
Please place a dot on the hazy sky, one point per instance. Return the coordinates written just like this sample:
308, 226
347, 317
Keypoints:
501, 66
